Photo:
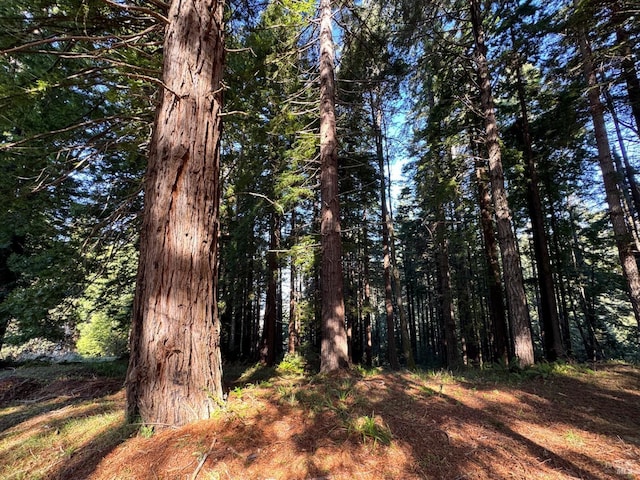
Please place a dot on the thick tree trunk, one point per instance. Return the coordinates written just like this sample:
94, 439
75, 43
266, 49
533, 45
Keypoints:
516, 298
624, 239
551, 336
175, 373
334, 346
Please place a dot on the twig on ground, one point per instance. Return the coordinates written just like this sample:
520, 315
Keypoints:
202, 460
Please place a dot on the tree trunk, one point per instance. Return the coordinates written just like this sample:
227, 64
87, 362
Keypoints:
268, 342
628, 63
499, 327
551, 336
446, 294
392, 353
629, 187
397, 289
561, 282
516, 299
175, 372
623, 238
366, 300
386, 247
586, 303
334, 346
294, 339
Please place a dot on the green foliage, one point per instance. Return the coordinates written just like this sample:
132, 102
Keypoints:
371, 428
101, 336
71, 134
146, 431
292, 365
104, 310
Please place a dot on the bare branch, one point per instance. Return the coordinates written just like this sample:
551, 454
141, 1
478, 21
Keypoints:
133, 8
10, 145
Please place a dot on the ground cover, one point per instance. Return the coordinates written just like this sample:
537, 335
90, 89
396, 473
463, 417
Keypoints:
553, 422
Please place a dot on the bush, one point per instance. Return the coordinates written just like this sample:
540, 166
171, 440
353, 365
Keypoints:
292, 365
101, 337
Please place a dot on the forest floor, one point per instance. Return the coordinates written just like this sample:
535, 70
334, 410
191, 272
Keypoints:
553, 422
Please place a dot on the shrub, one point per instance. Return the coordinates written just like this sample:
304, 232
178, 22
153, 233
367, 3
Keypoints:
101, 337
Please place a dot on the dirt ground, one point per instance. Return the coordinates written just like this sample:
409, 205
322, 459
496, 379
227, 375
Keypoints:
569, 423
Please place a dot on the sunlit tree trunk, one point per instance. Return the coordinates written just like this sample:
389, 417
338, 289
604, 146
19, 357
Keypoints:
512, 270
293, 341
175, 373
334, 346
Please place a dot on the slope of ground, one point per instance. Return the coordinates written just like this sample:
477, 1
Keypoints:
562, 423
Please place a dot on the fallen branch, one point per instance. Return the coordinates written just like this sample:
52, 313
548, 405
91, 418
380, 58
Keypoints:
202, 460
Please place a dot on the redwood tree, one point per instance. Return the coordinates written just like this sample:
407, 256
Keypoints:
175, 372
334, 346
514, 282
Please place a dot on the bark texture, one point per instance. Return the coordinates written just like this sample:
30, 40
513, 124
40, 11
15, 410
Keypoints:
175, 374
293, 341
512, 270
334, 353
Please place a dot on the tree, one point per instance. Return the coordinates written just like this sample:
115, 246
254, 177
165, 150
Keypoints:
334, 347
548, 305
623, 237
175, 372
520, 321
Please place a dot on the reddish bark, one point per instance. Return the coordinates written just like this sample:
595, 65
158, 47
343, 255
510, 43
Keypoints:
334, 345
175, 374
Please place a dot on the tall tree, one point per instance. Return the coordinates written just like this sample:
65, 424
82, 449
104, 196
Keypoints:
548, 305
516, 299
334, 346
175, 371
624, 239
